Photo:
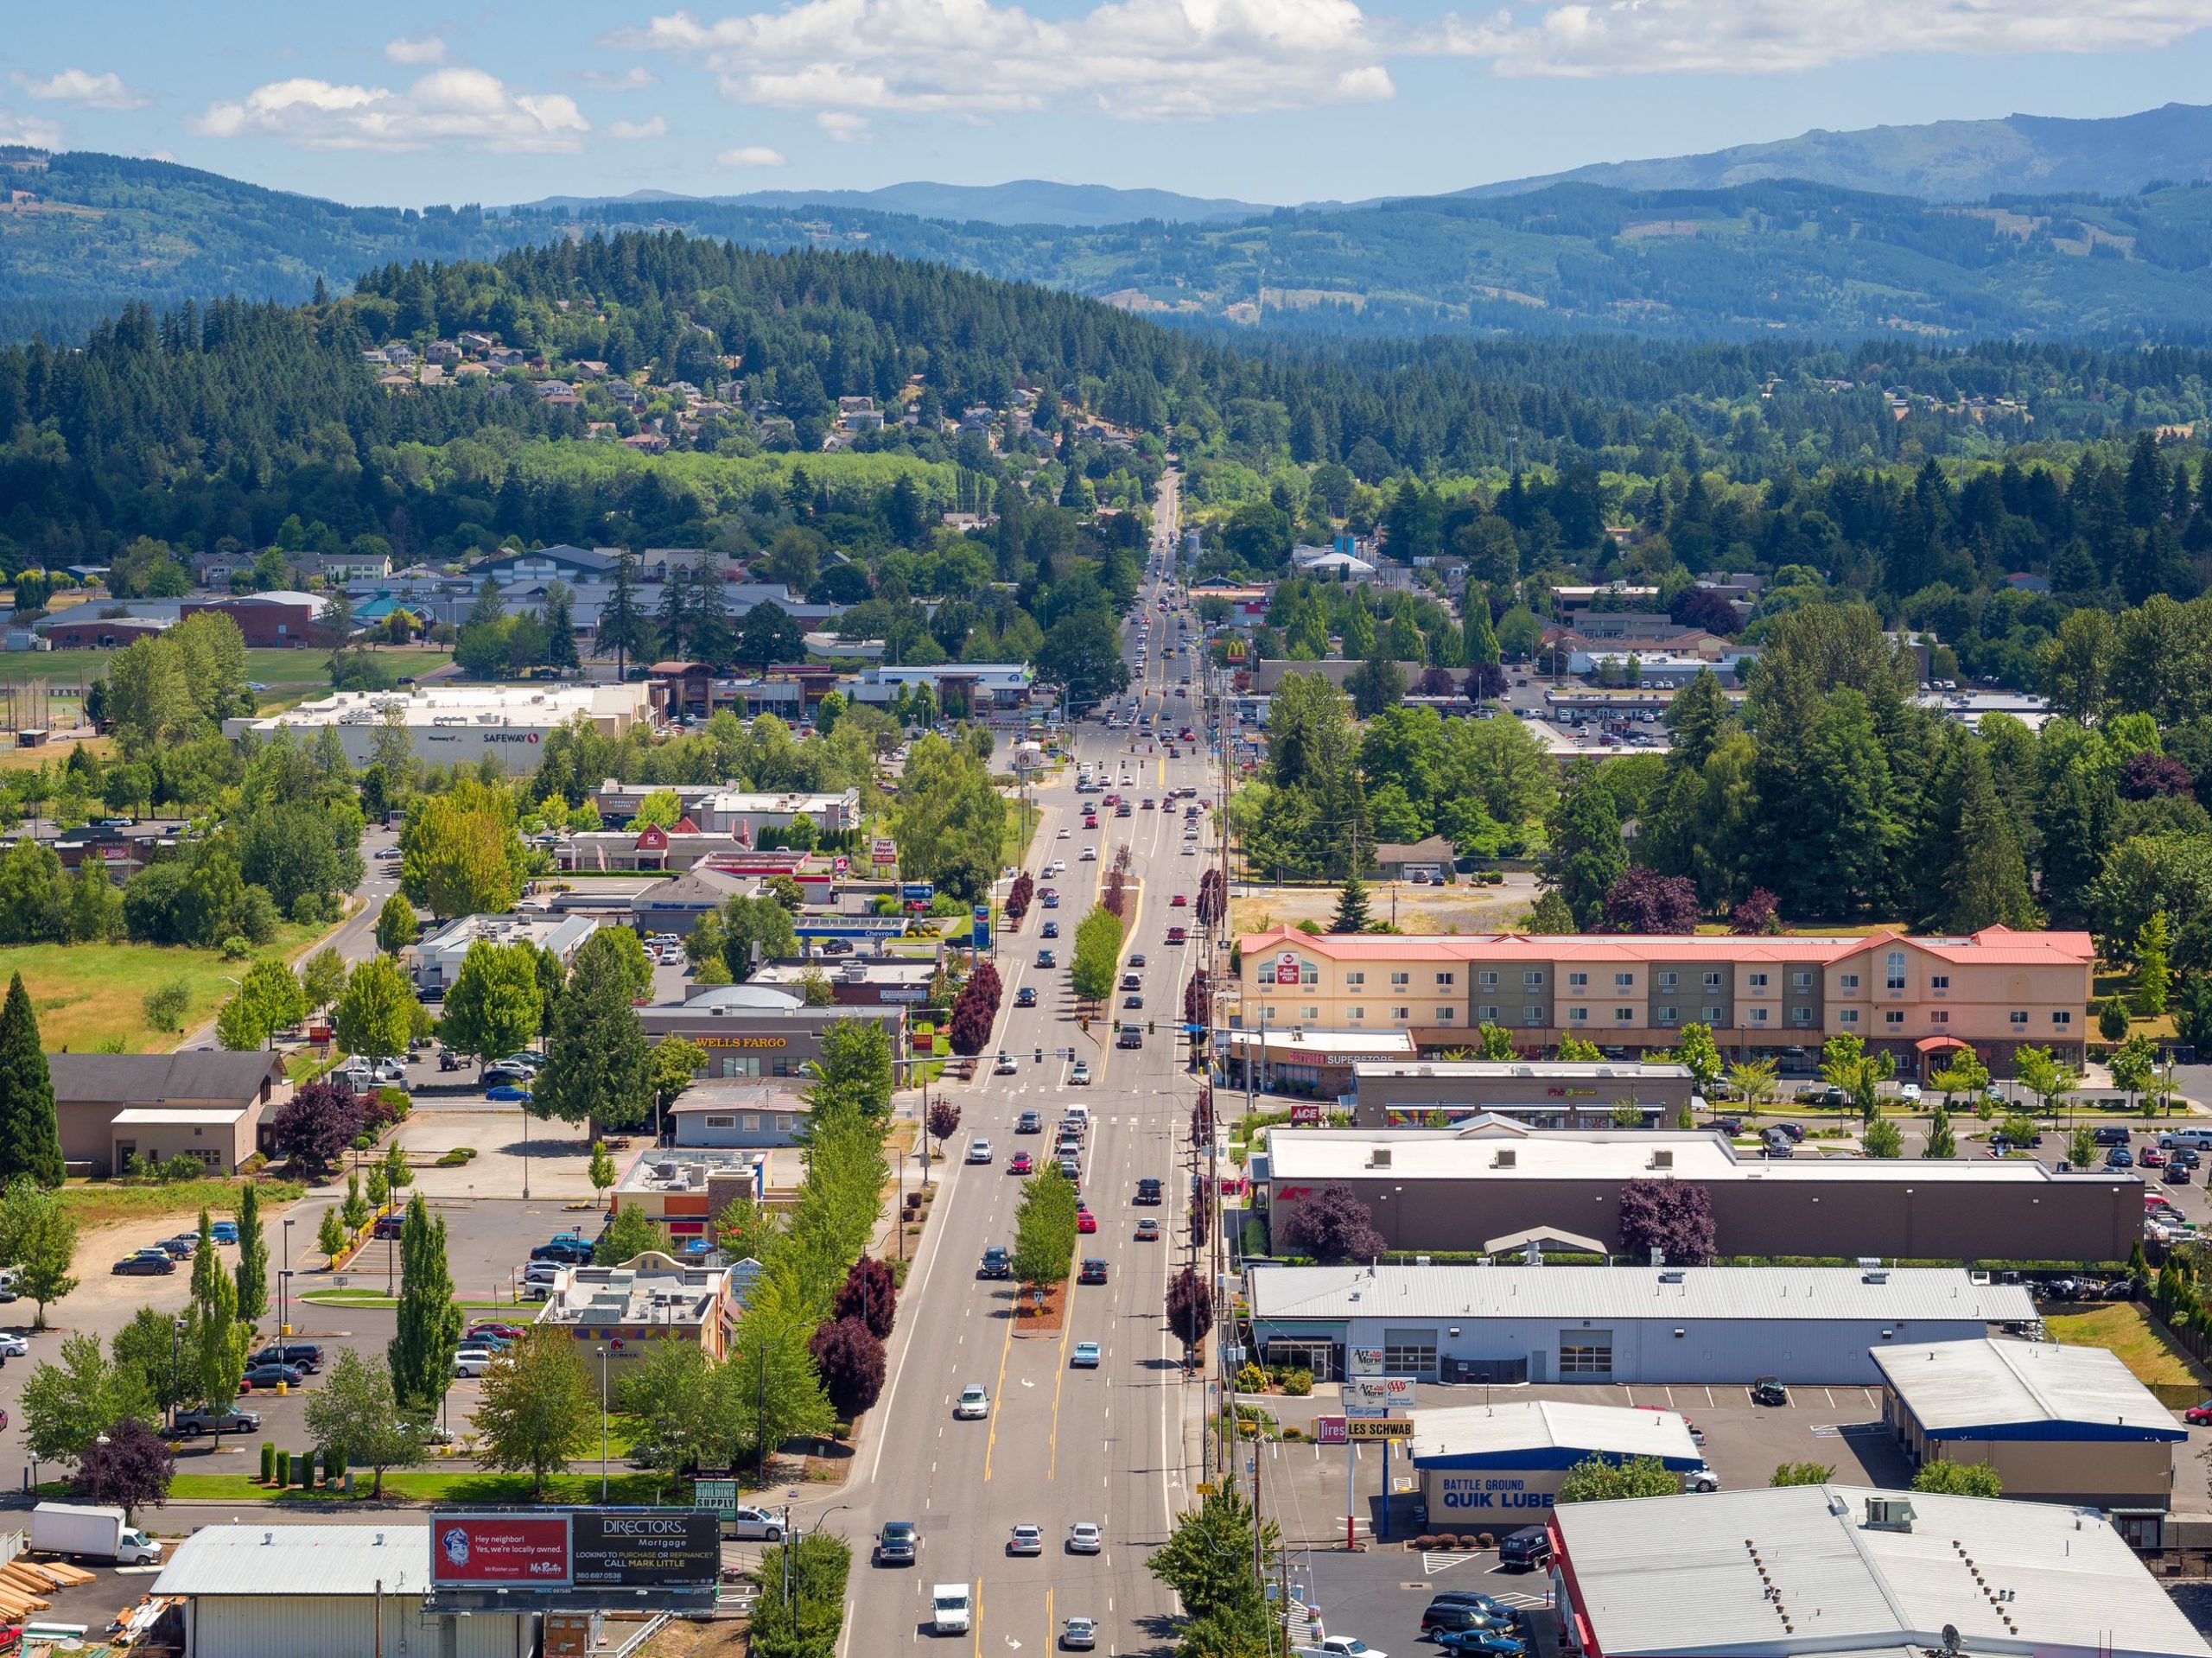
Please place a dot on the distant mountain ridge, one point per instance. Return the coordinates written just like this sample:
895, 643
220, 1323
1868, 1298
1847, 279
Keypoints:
1943, 161
1018, 201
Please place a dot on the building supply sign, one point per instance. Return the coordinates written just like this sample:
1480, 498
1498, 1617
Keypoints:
499, 1551
645, 1548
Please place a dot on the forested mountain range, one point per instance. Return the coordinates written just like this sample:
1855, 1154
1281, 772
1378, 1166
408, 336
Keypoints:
91, 232
1019, 201
1939, 161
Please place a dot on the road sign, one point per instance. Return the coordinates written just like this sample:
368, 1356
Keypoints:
1395, 1428
918, 891
1329, 1430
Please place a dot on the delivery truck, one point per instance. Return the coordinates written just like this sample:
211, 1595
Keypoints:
92, 1532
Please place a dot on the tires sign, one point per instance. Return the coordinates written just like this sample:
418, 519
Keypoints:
499, 1551
1329, 1430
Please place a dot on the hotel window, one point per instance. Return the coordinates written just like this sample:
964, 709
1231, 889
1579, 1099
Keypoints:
1400, 1015
1939, 983
1487, 1015
1354, 980
1578, 1015
1667, 981
1533, 980
1893, 1016
2062, 1017
1894, 981
1758, 1015
1444, 1016
1759, 981
1624, 1015
1399, 980
1712, 1015
2019, 1017
1669, 1015
1849, 981
1269, 1014
1849, 1016
1801, 980
1941, 1016
1355, 1014
1308, 974
1578, 980
1532, 1015
1489, 981
1309, 1014
1446, 978
1623, 980
1800, 1016
1712, 982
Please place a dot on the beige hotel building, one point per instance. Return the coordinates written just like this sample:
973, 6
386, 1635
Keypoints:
1995, 991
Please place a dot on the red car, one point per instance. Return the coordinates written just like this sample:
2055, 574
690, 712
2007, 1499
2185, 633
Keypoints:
1019, 1164
2198, 1415
1180, 901
1085, 1220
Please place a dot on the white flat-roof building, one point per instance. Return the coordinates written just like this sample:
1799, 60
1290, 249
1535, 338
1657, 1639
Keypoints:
653, 1298
2059, 1424
346, 1590
722, 807
437, 958
1844, 1569
1499, 1466
988, 684
451, 724
1670, 1324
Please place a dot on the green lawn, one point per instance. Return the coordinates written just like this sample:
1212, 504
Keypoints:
424, 1485
2133, 1337
87, 993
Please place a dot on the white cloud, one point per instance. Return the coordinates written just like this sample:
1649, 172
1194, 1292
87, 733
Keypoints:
35, 130
750, 156
1194, 60
1613, 37
635, 78
87, 91
419, 48
656, 128
465, 107
842, 125
1135, 58
160, 156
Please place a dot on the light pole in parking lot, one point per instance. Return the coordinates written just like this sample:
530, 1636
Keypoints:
284, 1285
602, 1425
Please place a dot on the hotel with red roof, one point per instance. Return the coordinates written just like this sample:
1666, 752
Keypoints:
1917, 998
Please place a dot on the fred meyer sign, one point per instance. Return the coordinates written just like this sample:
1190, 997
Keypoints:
1492, 1493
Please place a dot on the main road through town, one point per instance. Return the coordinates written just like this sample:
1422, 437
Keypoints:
1061, 1446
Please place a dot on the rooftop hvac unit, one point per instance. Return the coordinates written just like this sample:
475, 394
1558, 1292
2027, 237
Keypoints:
1380, 1158
1888, 1514
1672, 1275
1507, 1157
1662, 1160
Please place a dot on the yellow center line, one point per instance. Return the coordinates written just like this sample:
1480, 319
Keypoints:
998, 1392
1067, 1329
1048, 1616
976, 1622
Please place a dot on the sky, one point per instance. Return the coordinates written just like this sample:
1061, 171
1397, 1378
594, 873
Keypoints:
1281, 101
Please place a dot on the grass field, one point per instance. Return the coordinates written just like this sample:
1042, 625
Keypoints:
2124, 1329
87, 993
102, 1202
291, 676
466, 1485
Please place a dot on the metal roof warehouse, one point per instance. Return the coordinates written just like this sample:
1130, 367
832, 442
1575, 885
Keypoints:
1838, 1569
1506, 1325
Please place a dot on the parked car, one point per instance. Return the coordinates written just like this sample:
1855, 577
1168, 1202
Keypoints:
473, 1361
760, 1524
302, 1355
1526, 1550
146, 1263
189, 1423
182, 1246
224, 1231
509, 1093
268, 1376
1769, 1390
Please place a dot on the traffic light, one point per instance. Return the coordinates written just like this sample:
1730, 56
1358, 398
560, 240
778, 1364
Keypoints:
1041, 1056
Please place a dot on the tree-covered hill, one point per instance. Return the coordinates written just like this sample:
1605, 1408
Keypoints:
1796, 259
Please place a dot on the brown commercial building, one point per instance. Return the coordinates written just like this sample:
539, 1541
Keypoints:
211, 1107
1455, 1189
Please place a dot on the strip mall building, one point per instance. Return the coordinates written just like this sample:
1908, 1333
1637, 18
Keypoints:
1917, 998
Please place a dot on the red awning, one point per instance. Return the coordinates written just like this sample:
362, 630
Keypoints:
1936, 1044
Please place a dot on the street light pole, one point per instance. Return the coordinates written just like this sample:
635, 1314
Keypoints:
284, 1285
603, 1426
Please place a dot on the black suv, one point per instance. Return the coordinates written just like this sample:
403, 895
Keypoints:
301, 1355
1148, 1191
996, 1263
1029, 1123
897, 1543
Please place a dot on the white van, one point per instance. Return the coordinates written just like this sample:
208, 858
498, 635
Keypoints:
1079, 1115
953, 1608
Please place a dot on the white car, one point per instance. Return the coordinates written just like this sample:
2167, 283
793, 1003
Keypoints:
1700, 1478
1909, 1092
1004, 1067
1090, 854
978, 1150
1063, 833
1080, 1077
760, 1523
1085, 1538
975, 1404
14, 1346
472, 1361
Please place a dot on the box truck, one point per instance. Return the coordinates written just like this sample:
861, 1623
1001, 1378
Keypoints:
96, 1533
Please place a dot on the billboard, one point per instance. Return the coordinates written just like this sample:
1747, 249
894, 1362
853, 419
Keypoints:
645, 1548
499, 1551
1375, 1395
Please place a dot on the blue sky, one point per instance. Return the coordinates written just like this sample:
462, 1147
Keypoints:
1268, 100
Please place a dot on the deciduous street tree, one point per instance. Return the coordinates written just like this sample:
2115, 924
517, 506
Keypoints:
355, 1419
1600, 1479
1332, 1225
598, 1068
538, 1408
376, 1016
428, 1324
129, 1467
491, 1010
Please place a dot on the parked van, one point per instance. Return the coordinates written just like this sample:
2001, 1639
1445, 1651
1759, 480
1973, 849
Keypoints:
1526, 1550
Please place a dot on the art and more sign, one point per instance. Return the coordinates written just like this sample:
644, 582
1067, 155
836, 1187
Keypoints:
1374, 1395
